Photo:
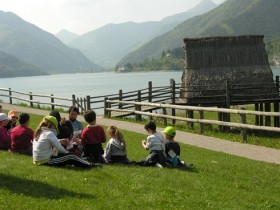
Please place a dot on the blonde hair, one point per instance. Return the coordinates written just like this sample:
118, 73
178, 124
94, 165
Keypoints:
43, 123
116, 133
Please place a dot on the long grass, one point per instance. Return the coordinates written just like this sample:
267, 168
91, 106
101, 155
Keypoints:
219, 181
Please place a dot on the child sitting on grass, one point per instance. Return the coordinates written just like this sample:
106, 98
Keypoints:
5, 141
173, 150
115, 151
45, 140
22, 136
155, 145
92, 138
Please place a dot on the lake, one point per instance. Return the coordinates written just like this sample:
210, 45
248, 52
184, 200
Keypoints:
97, 84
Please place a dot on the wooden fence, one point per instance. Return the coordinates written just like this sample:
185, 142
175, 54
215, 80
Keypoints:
227, 93
37, 100
243, 126
152, 93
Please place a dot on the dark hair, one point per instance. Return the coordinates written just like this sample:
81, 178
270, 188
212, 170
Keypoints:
56, 114
68, 124
90, 116
73, 109
23, 118
151, 125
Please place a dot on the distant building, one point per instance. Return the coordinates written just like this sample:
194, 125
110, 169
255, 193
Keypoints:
240, 60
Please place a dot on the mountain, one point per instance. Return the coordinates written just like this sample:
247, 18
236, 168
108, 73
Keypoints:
66, 36
203, 7
40, 48
108, 44
10, 66
234, 17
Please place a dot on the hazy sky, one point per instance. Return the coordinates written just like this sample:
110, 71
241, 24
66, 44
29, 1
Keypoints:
80, 16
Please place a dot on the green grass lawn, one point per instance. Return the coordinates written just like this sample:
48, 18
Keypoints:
219, 181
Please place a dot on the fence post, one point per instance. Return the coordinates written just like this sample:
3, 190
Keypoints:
257, 117
276, 119
120, 98
267, 108
105, 107
88, 103
52, 101
201, 117
73, 100
173, 95
226, 116
138, 117
276, 104
81, 105
227, 94
150, 87
261, 117
31, 99
10, 96
164, 112
243, 130
85, 105
190, 115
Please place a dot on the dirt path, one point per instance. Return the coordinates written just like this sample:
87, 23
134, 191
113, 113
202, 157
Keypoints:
243, 150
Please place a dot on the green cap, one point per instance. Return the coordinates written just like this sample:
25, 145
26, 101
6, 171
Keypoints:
52, 120
170, 131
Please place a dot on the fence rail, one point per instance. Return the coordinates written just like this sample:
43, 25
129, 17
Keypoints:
34, 99
243, 126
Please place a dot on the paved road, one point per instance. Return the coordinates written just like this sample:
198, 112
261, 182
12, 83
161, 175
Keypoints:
243, 150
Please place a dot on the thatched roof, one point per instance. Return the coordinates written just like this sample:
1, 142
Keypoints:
240, 60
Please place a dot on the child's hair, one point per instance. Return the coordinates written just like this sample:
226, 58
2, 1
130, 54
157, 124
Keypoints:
56, 114
116, 132
73, 109
44, 123
151, 125
90, 116
23, 118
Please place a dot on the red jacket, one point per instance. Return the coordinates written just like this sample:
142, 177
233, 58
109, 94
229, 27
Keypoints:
5, 140
21, 138
93, 135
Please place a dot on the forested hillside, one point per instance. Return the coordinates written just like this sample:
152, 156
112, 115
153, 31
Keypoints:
10, 66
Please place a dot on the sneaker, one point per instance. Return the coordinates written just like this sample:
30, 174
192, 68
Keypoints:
159, 165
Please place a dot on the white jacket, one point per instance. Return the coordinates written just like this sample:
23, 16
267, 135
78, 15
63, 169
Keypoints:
42, 148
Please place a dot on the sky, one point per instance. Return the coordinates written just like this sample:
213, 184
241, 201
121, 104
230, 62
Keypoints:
81, 16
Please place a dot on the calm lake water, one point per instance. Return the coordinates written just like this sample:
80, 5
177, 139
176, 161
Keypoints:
64, 85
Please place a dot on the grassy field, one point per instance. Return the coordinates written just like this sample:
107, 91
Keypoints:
219, 181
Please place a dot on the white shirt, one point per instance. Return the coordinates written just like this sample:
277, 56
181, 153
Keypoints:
155, 142
42, 148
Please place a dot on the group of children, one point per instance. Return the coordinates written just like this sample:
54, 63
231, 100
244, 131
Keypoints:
60, 142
